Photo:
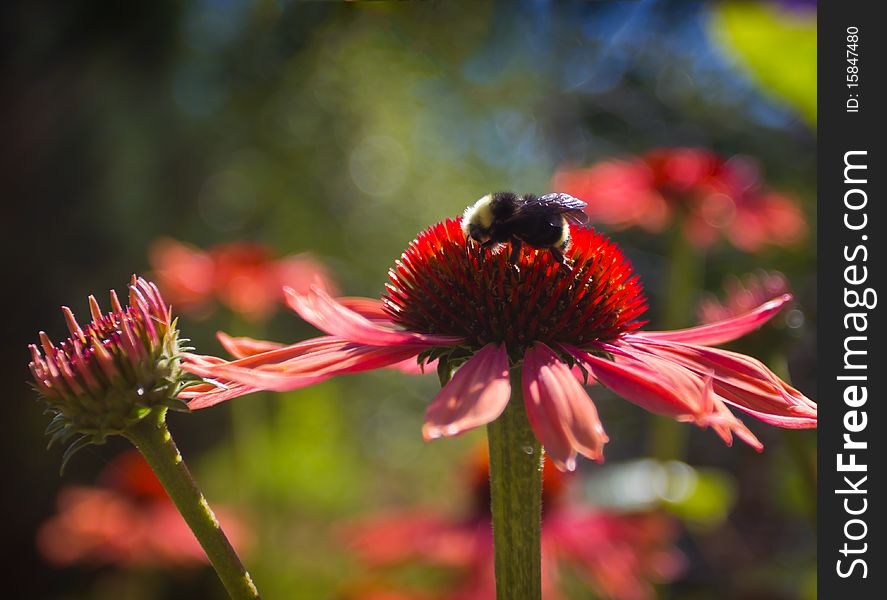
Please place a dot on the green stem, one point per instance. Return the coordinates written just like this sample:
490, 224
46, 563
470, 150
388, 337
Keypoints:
516, 500
151, 436
686, 267
249, 426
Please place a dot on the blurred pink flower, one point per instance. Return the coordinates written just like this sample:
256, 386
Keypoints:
742, 295
617, 555
126, 520
709, 196
242, 276
452, 300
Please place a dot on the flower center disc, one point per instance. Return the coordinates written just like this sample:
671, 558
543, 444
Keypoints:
444, 284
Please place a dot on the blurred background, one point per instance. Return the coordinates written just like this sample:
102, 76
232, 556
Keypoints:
212, 144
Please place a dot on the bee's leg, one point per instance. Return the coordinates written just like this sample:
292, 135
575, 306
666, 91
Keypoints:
485, 246
488, 244
558, 256
516, 246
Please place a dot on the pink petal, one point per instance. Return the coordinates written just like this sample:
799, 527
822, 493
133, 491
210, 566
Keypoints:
316, 354
241, 347
326, 358
285, 367
272, 356
560, 412
206, 395
476, 395
652, 383
369, 308
262, 379
322, 311
348, 358
721, 332
744, 382
666, 387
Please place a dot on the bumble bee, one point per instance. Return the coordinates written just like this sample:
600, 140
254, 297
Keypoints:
538, 221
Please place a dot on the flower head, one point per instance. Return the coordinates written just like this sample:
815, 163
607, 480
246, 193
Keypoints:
481, 317
243, 276
710, 196
125, 520
444, 285
618, 555
110, 373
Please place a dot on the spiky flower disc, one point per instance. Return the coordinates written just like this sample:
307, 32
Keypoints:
446, 284
112, 372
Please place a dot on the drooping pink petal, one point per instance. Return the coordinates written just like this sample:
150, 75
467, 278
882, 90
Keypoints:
262, 379
721, 332
241, 347
342, 359
240, 381
666, 387
476, 395
205, 395
725, 423
322, 311
369, 308
743, 382
560, 412
197, 364
292, 368
653, 384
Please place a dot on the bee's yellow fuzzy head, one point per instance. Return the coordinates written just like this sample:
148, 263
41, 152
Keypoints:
477, 219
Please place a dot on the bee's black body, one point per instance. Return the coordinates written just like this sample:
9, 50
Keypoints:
538, 221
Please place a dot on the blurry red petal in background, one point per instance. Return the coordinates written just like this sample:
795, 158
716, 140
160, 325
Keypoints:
710, 196
127, 520
619, 556
742, 295
183, 273
243, 276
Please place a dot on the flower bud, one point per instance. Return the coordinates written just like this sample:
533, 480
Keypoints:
111, 373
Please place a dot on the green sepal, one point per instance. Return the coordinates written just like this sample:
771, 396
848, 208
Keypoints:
71, 450
444, 370
57, 423
60, 436
571, 362
177, 405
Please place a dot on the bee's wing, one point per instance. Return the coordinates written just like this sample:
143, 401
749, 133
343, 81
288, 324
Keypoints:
577, 217
563, 204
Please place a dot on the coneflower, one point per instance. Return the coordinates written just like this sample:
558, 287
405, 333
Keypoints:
480, 316
509, 340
